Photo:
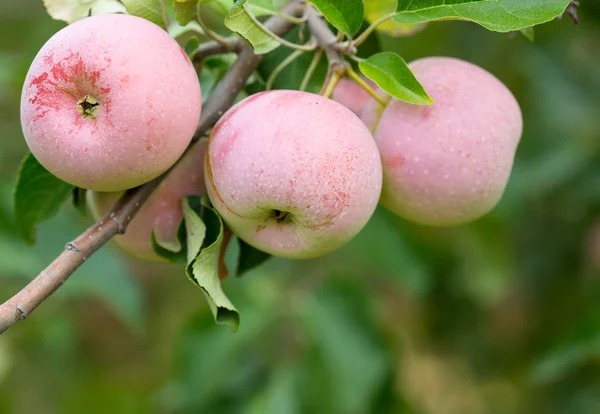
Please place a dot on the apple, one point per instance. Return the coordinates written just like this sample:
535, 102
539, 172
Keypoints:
352, 95
110, 102
292, 173
162, 212
448, 163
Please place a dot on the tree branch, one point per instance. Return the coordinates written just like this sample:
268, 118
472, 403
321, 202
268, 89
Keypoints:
326, 40
116, 220
212, 47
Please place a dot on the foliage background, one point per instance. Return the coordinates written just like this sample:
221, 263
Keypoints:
501, 316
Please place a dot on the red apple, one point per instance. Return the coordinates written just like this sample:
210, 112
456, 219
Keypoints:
161, 213
293, 173
110, 102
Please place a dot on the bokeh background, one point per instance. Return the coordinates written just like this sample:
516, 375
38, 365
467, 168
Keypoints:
500, 316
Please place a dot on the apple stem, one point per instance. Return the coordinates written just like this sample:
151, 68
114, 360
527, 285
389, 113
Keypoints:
88, 106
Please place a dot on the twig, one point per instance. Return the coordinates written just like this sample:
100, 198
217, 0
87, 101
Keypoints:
325, 39
308, 47
311, 69
211, 48
207, 30
116, 220
572, 11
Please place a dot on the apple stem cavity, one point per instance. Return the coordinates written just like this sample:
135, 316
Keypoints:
88, 106
280, 216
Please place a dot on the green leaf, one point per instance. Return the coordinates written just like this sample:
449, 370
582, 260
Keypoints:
529, 33
191, 46
391, 73
174, 251
496, 15
239, 20
265, 7
148, 9
38, 196
374, 10
72, 10
79, 200
204, 229
331, 325
249, 257
345, 15
185, 11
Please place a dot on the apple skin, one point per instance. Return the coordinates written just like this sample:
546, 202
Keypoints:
148, 102
292, 173
352, 95
448, 163
162, 212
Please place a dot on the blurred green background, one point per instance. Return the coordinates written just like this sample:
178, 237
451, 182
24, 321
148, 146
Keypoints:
501, 316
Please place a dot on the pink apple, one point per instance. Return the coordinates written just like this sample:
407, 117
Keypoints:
293, 173
352, 95
447, 163
110, 102
161, 213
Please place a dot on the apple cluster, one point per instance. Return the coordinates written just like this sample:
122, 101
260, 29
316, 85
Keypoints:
292, 173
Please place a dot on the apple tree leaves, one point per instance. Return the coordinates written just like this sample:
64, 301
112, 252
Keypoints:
38, 197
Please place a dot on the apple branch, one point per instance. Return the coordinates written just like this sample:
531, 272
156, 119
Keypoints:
116, 220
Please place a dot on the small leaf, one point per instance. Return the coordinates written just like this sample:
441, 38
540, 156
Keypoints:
495, 15
185, 11
204, 229
38, 196
148, 9
391, 73
174, 251
72, 10
529, 33
191, 46
249, 258
345, 15
238, 20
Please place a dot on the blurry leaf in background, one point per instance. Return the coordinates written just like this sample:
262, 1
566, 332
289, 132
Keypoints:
38, 196
73, 10
355, 365
147, 9
185, 10
280, 395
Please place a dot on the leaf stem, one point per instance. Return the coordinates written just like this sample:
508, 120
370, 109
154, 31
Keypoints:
308, 47
291, 19
358, 79
364, 35
284, 63
208, 31
331, 83
311, 69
